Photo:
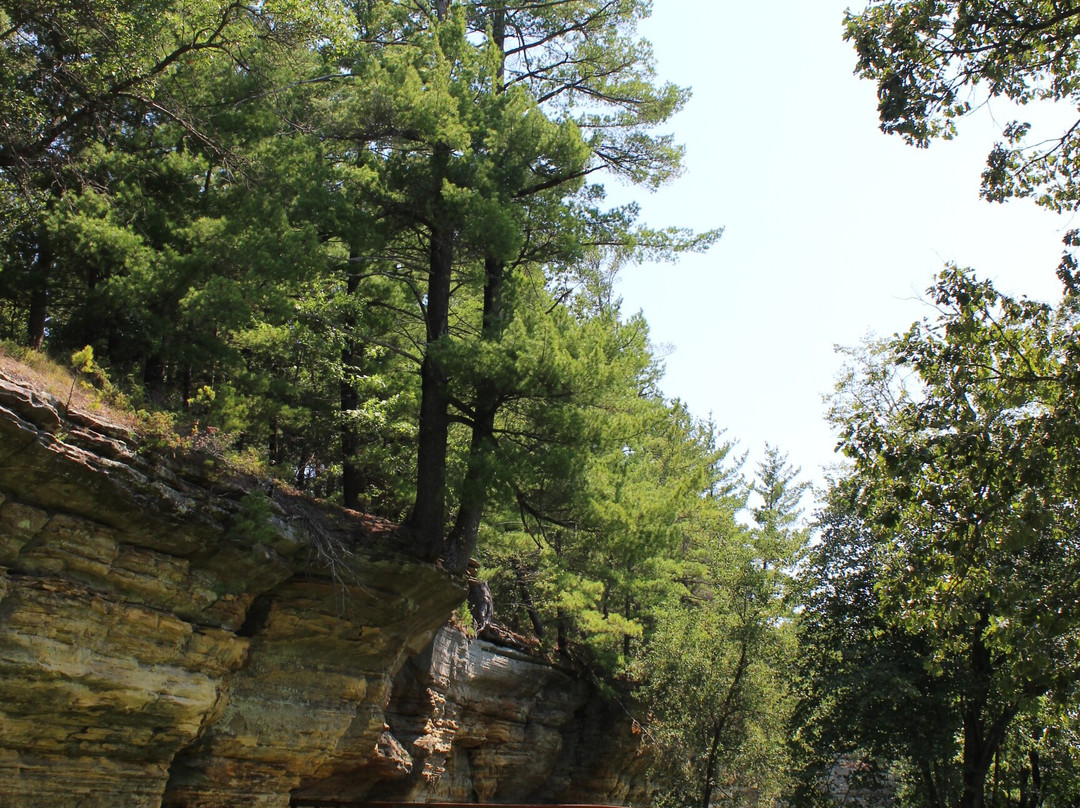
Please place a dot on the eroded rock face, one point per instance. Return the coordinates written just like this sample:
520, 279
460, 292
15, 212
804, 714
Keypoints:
469, 721
312, 694
156, 649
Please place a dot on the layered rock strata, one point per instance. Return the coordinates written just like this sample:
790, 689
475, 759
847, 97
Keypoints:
470, 721
171, 635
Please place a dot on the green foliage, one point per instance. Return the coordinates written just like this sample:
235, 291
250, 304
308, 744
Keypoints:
935, 62
963, 434
366, 248
237, 200
83, 361
716, 671
598, 478
714, 682
267, 220
254, 520
865, 692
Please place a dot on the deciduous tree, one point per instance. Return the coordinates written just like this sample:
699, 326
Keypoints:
935, 62
964, 436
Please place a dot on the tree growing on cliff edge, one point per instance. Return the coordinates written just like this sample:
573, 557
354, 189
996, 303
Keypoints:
485, 133
269, 239
597, 490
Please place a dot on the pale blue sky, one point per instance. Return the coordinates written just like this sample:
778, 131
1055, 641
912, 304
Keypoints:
833, 230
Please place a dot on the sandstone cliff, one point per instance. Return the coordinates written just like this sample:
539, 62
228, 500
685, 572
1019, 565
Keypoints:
172, 635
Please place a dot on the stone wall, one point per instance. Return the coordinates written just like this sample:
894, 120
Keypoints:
169, 636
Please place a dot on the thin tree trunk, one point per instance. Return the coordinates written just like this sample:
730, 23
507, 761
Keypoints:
39, 295
498, 33
981, 741
930, 784
997, 779
154, 378
562, 639
273, 450
973, 773
526, 598
35, 321
1036, 779
185, 383
721, 722
351, 483
710, 763
463, 536
301, 477
562, 634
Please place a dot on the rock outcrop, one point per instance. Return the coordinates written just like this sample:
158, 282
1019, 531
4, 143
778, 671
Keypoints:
470, 721
172, 635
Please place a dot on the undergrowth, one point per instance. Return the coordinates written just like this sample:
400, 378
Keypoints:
83, 385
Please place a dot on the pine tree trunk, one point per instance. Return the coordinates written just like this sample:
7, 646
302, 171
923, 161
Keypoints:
478, 471
498, 33
154, 378
351, 481
35, 321
463, 537
273, 446
427, 520
185, 384
526, 598
466, 530
562, 632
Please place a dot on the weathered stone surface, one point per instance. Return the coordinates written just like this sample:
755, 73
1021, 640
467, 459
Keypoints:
469, 721
98, 695
312, 696
494, 728
137, 622
156, 649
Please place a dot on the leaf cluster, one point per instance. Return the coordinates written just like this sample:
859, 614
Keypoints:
935, 62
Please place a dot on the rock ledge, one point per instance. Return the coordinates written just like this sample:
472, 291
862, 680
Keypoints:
156, 649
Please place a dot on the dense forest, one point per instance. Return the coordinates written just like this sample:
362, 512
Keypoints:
364, 247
